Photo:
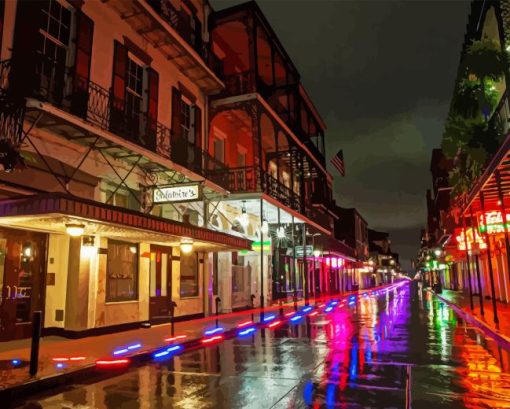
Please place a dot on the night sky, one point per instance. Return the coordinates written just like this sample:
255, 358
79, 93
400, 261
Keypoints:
381, 74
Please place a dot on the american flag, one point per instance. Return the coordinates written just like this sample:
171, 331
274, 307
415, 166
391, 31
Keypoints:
338, 162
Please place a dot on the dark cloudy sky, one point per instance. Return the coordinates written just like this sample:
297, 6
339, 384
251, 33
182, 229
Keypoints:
381, 73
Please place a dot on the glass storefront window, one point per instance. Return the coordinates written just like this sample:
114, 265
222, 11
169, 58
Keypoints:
189, 275
122, 271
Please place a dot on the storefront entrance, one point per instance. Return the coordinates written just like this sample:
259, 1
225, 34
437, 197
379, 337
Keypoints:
160, 289
22, 281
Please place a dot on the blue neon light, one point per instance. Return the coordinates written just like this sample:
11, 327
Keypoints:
329, 309
120, 351
246, 331
174, 348
160, 354
214, 331
352, 298
135, 346
296, 318
269, 318
60, 365
333, 303
15, 362
307, 309
351, 303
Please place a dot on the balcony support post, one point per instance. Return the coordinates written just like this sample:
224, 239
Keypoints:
467, 263
294, 265
261, 261
477, 263
505, 221
489, 262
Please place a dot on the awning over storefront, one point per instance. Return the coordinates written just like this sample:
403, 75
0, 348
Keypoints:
494, 179
51, 212
337, 248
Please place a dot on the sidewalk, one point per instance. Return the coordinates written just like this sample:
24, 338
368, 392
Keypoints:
460, 300
94, 348
91, 349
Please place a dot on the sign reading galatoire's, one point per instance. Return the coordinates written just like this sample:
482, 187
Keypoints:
177, 193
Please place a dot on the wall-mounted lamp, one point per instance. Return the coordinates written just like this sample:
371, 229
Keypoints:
186, 245
75, 229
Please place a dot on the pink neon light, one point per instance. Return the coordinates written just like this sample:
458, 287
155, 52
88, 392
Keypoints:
313, 314
274, 324
77, 358
244, 324
112, 362
290, 314
175, 338
212, 339
333, 262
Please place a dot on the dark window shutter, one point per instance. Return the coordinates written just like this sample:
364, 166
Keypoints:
81, 79
152, 106
118, 86
176, 113
23, 76
198, 127
2, 10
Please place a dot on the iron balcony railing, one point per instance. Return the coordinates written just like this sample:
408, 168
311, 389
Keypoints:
97, 105
251, 179
181, 23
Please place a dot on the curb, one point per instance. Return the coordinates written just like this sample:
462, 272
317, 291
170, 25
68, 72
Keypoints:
502, 340
92, 373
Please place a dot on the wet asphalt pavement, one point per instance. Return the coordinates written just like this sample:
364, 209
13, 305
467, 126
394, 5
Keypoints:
386, 351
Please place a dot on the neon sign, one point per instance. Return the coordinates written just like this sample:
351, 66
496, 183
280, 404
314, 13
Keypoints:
461, 241
494, 221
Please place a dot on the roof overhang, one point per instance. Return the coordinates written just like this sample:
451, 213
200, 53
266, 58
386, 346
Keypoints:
52, 211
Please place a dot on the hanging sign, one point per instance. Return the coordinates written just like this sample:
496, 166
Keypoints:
473, 242
309, 251
495, 223
177, 193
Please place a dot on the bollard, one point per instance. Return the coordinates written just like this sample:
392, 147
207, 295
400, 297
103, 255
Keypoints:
173, 305
217, 301
252, 307
36, 337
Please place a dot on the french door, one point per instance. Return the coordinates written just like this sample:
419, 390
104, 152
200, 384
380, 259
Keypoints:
160, 285
22, 281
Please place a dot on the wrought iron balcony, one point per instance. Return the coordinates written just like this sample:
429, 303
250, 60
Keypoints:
96, 105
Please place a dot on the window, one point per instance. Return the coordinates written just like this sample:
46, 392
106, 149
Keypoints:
219, 149
189, 275
186, 122
121, 271
134, 91
53, 42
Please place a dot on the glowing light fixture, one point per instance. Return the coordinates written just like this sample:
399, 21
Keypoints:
265, 227
280, 232
316, 253
75, 229
269, 318
244, 219
186, 245
212, 339
112, 362
176, 338
214, 331
244, 324
246, 332
274, 324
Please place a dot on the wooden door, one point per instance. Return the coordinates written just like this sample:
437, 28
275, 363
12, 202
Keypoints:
160, 285
22, 279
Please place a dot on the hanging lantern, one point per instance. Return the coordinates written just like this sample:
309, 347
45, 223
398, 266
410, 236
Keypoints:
244, 219
280, 232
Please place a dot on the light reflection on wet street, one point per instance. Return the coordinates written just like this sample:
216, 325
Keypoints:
360, 356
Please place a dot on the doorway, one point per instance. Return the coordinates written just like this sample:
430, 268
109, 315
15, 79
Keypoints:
160, 286
22, 281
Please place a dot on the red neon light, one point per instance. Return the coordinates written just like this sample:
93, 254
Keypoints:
322, 305
461, 241
313, 314
274, 324
244, 324
175, 338
73, 358
212, 339
112, 362
290, 314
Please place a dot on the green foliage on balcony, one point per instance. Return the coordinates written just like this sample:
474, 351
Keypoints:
471, 135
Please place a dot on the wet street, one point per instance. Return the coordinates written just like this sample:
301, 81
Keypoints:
392, 350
